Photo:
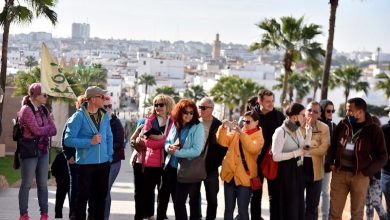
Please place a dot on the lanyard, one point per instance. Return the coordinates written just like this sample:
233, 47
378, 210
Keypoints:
355, 135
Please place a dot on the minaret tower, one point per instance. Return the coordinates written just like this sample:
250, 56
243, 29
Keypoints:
216, 48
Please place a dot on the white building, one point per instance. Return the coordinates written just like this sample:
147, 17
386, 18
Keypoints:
80, 31
114, 88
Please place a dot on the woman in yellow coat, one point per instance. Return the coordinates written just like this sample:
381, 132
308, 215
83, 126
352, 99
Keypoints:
236, 179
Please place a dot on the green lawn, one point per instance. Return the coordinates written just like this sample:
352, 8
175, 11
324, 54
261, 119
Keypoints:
7, 170
13, 175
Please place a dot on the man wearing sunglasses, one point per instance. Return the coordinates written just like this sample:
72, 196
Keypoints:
270, 119
313, 164
327, 111
88, 130
215, 155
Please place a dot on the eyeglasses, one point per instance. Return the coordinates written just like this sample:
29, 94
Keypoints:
99, 96
202, 107
108, 106
159, 105
330, 110
313, 111
247, 122
188, 112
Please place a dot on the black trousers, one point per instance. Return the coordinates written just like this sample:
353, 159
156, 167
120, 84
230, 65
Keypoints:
167, 189
63, 186
92, 186
152, 179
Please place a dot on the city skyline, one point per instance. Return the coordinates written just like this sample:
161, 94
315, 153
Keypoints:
360, 25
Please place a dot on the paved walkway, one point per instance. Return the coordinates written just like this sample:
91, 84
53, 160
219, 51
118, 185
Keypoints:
122, 208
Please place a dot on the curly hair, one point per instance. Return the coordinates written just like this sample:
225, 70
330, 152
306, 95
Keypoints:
178, 111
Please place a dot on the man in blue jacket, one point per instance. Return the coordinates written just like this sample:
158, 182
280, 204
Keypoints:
89, 131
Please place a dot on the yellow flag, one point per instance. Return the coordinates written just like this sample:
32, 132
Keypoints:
53, 80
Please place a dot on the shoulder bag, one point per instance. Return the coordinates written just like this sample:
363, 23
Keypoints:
255, 181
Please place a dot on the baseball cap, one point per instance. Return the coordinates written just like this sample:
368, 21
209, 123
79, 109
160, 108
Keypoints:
92, 91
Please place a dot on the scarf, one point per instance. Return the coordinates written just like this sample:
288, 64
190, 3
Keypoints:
290, 125
251, 131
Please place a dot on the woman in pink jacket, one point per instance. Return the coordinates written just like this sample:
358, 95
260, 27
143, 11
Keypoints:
156, 129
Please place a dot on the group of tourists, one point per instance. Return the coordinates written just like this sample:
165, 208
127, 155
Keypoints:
181, 145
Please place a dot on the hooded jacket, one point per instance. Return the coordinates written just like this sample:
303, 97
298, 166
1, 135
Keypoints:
79, 132
323, 104
370, 149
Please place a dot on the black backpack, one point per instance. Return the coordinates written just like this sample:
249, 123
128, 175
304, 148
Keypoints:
17, 130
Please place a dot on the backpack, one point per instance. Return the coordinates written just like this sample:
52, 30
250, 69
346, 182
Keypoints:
17, 130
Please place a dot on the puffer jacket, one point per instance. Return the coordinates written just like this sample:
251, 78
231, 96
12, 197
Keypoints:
154, 154
370, 147
36, 125
232, 166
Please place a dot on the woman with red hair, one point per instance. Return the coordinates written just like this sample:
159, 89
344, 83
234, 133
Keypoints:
185, 141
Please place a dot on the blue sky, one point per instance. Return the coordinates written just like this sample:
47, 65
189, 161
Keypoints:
360, 24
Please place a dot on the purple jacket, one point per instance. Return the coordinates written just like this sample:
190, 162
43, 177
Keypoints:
37, 125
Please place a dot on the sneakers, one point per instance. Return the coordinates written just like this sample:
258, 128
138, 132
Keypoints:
24, 217
44, 216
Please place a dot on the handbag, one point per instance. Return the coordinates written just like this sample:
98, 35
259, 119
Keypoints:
268, 166
193, 171
255, 181
28, 148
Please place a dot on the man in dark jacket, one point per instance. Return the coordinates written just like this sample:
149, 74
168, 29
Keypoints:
385, 178
357, 151
118, 136
270, 119
214, 157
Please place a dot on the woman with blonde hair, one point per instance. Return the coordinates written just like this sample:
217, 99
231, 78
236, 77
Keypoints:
156, 129
240, 166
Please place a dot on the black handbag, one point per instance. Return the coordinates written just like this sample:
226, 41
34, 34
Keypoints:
28, 148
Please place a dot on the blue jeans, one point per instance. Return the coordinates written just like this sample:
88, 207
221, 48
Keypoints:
30, 167
385, 186
325, 195
114, 170
240, 193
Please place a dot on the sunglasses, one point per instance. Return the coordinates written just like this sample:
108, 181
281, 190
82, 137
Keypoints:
247, 122
202, 107
108, 106
188, 112
313, 111
330, 111
159, 105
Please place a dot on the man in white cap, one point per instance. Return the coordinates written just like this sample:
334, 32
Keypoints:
88, 130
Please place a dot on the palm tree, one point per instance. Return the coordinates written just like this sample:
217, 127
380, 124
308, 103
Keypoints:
383, 83
14, 12
292, 36
30, 62
169, 91
329, 48
195, 92
296, 82
225, 92
147, 80
95, 75
313, 77
349, 78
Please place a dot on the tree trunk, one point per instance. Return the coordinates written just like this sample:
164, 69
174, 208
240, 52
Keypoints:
315, 91
329, 48
4, 53
287, 62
